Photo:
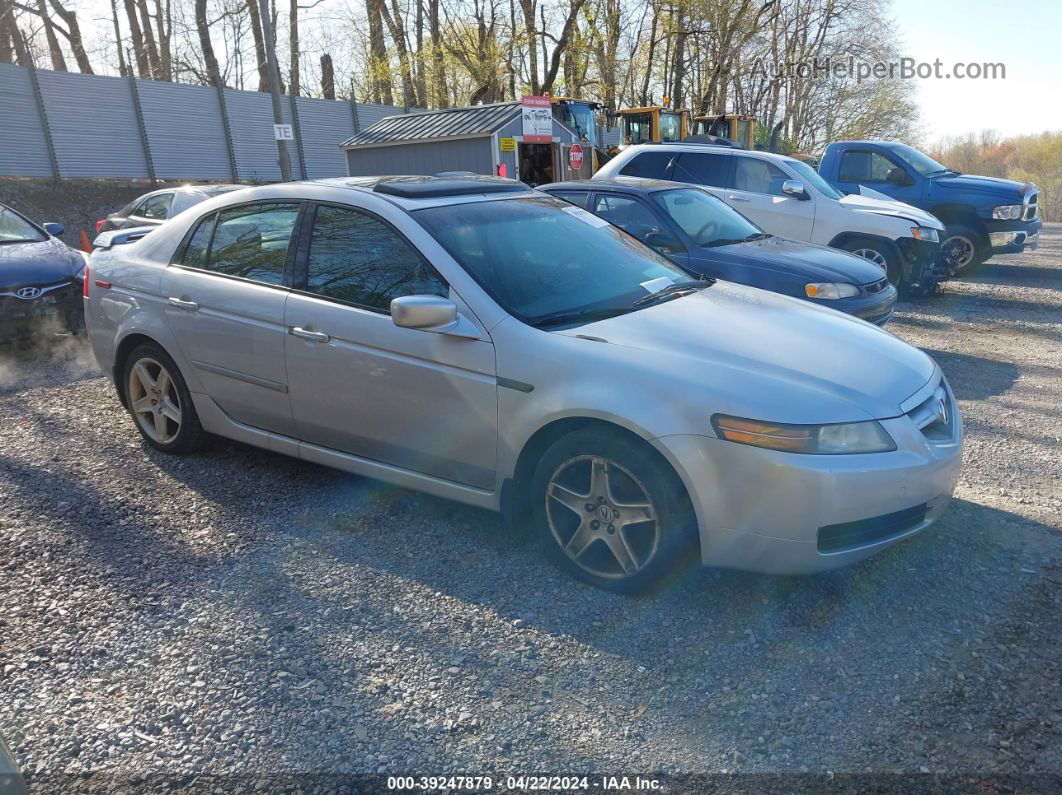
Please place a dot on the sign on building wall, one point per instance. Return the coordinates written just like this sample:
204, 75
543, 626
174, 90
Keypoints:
507, 144
537, 115
283, 132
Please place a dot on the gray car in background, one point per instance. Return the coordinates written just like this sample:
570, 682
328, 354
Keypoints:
477, 340
160, 205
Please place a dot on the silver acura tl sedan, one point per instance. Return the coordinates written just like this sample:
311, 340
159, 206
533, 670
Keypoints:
477, 340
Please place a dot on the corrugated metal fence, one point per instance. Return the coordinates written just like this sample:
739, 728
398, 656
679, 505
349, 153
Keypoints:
66, 125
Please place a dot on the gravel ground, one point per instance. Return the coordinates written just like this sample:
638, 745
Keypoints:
241, 614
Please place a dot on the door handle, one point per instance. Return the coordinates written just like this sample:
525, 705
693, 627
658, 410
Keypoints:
307, 334
734, 198
180, 303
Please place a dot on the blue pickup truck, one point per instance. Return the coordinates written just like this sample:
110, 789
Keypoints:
982, 215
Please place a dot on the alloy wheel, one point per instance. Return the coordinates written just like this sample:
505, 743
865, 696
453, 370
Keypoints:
958, 252
873, 255
154, 400
602, 517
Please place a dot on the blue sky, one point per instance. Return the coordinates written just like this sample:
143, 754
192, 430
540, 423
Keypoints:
1023, 34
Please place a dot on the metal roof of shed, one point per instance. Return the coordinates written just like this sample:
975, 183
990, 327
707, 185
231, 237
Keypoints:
470, 122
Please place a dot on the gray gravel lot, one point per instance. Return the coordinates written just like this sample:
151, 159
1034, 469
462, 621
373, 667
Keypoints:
244, 614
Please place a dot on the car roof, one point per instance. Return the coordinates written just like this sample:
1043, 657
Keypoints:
625, 184
414, 191
688, 146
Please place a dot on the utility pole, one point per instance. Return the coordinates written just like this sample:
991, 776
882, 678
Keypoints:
274, 84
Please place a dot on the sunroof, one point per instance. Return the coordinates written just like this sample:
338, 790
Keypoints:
429, 187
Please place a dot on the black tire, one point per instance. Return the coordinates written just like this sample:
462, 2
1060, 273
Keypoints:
189, 435
885, 255
971, 241
634, 468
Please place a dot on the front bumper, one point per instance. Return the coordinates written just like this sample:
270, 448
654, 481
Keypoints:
767, 511
1013, 237
57, 310
922, 260
874, 308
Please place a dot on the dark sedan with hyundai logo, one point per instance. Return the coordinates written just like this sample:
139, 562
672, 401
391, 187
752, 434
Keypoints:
40, 279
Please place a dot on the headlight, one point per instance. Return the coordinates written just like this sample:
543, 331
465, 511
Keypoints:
927, 233
843, 438
1008, 212
831, 290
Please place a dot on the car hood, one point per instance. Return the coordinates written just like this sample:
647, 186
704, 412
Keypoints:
815, 263
880, 206
1003, 188
45, 262
778, 358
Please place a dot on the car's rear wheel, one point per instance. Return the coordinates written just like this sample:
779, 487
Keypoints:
613, 512
962, 249
158, 398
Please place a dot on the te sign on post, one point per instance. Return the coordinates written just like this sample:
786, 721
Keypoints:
283, 132
537, 113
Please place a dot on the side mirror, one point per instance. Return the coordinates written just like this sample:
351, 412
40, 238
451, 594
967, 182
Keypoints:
898, 177
54, 229
424, 312
794, 188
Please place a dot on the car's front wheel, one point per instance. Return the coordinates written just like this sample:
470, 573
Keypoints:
158, 398
962, 249
880, 254
613, 512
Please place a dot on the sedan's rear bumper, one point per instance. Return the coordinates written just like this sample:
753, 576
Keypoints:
786, 513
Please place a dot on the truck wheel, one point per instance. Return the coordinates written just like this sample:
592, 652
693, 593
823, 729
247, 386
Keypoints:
963, 248
878, 253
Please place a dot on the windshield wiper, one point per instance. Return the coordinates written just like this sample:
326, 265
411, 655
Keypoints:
674, 290
757, 236
579, 315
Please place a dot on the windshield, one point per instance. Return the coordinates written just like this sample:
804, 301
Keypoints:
670, 127
638, 128
810, 176
542, 257
16, 229
922, 163
580, 118
707, 220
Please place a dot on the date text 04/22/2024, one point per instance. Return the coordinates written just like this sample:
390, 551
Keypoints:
521, 783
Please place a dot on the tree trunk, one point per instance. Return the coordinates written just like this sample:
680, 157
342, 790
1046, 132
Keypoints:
259, 45
294, 81
644, 96
73, 35
328, 77
561, 45
398, 35
143, 68
438, 68
529, 8
379, 68
54, 50
202, 26
123, 68
150, 47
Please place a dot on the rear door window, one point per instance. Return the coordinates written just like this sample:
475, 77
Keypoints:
651, 165
628, 214
248, 242
701, 168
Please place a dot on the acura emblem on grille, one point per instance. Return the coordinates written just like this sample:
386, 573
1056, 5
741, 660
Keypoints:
26, 293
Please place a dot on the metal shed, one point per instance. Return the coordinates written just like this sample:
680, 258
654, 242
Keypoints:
483, 139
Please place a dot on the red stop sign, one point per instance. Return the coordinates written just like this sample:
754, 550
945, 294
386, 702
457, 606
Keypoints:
575, 157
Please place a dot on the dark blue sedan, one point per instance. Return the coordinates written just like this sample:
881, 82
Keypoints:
40, 279
705, 236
